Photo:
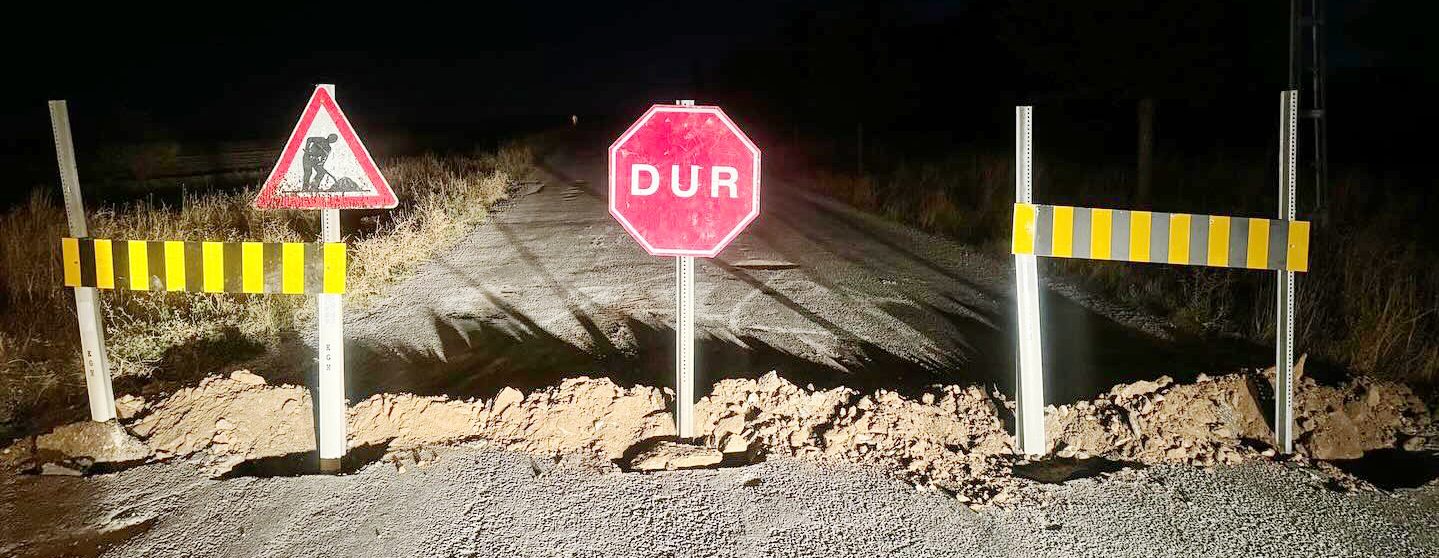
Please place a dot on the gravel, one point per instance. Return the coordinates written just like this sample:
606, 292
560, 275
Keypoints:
472, 501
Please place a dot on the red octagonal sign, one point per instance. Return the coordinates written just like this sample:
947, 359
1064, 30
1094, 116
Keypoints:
684, 180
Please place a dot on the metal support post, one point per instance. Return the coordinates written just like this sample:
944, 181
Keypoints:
1029, 412
1284, 312
87, 305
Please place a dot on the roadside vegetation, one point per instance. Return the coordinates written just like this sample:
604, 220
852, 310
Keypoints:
1370, 304
175, 336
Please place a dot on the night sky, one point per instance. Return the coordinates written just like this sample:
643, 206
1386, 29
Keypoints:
815, 68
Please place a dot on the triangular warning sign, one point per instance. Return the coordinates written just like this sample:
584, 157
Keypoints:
324, 165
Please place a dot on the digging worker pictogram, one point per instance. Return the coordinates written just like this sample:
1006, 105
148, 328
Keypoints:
317, 150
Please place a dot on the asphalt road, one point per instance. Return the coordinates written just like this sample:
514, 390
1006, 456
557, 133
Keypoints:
552, 286
478, 502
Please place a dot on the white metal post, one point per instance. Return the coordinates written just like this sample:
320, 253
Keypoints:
330, 393
684, 339
1284, 314
1029, 415
87, 306
684, 345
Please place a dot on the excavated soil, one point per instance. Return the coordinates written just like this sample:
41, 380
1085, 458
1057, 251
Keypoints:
950, 438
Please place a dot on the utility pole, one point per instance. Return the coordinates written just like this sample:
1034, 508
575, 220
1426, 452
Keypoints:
1307, 68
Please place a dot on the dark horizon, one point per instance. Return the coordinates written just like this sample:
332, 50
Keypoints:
788, 69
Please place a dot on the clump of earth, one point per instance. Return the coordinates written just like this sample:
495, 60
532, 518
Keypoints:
1220, 420
950, 438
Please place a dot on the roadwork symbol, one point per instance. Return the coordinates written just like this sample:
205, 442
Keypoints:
335, 170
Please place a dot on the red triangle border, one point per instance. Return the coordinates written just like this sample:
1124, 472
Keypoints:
271, 198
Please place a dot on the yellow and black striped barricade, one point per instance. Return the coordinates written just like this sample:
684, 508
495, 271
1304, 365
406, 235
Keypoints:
1172, 238
210, 267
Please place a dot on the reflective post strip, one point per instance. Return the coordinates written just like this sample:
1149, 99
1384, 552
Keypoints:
174, 265
1101, 222
1298, 256
139, 258
213, 258
1258, 257
1025, 215
70, 256
252, 264
1139, 230
334, 267
292, 268
104, 264
1029, 393
211, 267
87, 304
1063, 232
1178, 238
1218, 241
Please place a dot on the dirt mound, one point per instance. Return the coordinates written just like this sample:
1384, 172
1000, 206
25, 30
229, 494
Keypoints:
100, 442
1203, 423
407, 421
579, 415
1344, 421
950, 438
1220, 420
231, 418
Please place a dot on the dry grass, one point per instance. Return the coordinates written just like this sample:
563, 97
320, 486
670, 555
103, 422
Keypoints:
1371, 303
182, 335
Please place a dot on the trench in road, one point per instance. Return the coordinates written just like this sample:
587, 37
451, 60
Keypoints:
551, 287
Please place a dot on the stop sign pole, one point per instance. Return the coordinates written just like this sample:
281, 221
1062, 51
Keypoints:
685, 337
684, 182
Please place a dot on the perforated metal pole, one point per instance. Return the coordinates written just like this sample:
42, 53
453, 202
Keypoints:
1284, 312
684, 339
684, 345
87, 306
330, 391
1029, 412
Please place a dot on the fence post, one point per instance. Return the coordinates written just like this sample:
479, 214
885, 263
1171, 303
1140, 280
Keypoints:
87, 305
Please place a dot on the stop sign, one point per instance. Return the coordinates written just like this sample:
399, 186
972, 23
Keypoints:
684, 180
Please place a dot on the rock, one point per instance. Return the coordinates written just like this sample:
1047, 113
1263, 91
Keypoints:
732, 424
103, 442
1338, 439
127, 406
672, 455
507, 397
733, 443
1142, 387
247, 377
63, 469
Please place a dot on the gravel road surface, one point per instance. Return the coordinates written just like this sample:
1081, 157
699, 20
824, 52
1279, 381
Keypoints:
479, 502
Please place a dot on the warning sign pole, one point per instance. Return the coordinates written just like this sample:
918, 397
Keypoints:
87, 307
330, 391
